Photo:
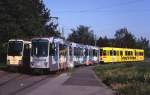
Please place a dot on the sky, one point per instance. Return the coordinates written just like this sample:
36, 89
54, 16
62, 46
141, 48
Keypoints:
104, 17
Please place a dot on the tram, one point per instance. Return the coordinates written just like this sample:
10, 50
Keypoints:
49, 54
52, 54
76, 54
118, 55
18, 53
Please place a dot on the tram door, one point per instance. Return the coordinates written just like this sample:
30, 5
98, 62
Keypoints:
70, 56
26, 55
63, 52
113, 56
54, 56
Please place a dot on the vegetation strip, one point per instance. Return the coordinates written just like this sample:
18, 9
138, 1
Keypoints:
126, 79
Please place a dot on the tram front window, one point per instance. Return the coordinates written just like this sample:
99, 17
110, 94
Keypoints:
15, 48
40, 48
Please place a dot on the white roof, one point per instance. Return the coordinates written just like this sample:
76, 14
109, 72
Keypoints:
52, 39
20, 40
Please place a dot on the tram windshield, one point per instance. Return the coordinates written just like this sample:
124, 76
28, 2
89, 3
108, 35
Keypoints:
39, 48
15, 48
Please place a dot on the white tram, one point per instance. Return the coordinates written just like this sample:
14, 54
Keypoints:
76, 54
91, 55
18, 53
53, 54
83, 54
49, 54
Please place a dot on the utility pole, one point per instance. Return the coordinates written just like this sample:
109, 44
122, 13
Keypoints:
95, 40
62, 33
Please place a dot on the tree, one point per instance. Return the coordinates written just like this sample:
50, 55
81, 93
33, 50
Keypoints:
124, 39
24, 19
143, 43
82, 35
103, 42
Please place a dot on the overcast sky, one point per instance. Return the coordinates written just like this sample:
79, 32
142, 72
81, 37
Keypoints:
103, 16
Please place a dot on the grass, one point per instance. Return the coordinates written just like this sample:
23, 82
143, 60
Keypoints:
126, 79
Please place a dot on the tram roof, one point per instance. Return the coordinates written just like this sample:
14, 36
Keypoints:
51, 39
24, 41
119, 48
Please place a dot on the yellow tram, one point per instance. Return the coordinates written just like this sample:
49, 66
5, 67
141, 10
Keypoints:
116, 55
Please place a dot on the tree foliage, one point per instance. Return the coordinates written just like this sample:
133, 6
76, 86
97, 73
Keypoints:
123, 38
143, 43
24, 19
82, 35
103, 42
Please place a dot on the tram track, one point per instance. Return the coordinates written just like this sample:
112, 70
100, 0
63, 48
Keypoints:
23, 82
35, 83
3, 73
13, 83
8, 78
29, 86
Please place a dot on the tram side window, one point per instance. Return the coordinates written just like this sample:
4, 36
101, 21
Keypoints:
121, 53
117, 53
94, 52
111, 53
86, 52
138, 53
131, 53
75, 51
135, 53
80, 52
104, 53
141, 53
91, 52
114, 53
101, 52
126, 53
